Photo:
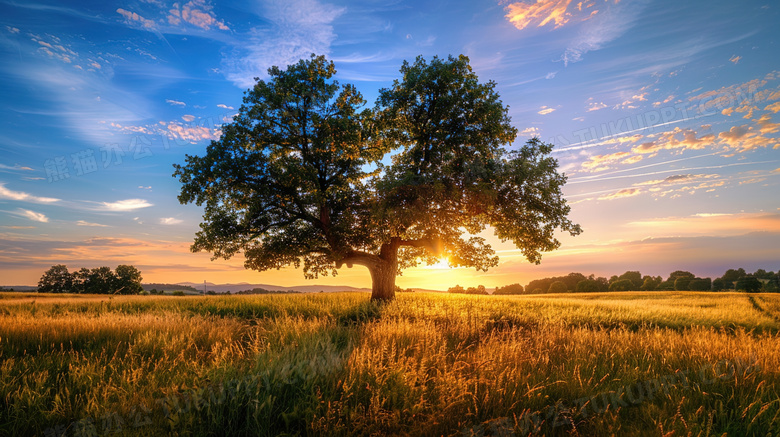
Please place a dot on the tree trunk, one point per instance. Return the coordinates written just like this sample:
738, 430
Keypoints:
383, 281
383, 273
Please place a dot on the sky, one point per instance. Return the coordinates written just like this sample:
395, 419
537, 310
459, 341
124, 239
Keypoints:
665, 116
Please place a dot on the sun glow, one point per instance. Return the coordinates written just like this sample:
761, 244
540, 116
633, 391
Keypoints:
442, 264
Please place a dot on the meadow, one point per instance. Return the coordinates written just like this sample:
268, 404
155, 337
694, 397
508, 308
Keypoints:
633, 363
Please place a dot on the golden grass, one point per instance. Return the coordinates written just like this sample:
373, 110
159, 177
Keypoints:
425, 364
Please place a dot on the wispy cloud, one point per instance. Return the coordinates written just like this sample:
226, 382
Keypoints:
544, 110
15, 168
539, 14
125, 205
95, 225
134, 17
175, 102
170, 221
298, 28
626, 192
34, 216
196, 12
5, 193
604, 27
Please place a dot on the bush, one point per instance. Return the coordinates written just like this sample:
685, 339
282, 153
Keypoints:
178, 293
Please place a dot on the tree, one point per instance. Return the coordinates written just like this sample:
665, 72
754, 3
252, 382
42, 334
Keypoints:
718, 285
731, 276
128, 280
748, 283
682, 283
509, 289
298, 178
558, 287
456, 289
80, 280
700, 284
650, 283
635, 278
101, 280
622, 285
55, 280
588, 286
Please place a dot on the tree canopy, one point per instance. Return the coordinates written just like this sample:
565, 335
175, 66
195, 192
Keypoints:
300, 177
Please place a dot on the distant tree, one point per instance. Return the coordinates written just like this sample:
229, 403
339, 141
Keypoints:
763, 274
537, 291
680, 274
682, 283
622, 285
456, 289
509, 289
293, 180
80, 279
602, 281
650, 283
558, 287
101, 280
588, 286
128, 280
56, 280
748, 283
770, 287
700, 284
733, 275
479, 289
718, 284
635, 278
613, 278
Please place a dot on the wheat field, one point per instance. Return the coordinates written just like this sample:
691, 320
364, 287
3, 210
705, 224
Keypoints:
655, 364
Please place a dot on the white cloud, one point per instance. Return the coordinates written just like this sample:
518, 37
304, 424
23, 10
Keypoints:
595, 106
5, 193
170, 221
125, 205
195, 12
19, 167
188, 117
603, 28
544, 110
298, 28
132, 16
223, 106
175, 102
85, 223
34, 216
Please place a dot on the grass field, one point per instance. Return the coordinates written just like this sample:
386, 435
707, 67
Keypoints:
656, 364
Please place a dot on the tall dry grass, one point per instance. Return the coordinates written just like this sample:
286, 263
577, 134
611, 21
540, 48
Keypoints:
425, 364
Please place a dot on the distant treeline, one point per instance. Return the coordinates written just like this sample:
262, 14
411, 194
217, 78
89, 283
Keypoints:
168, 287
259, 290
680, 280
100, 280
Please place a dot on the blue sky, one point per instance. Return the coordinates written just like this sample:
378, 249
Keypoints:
665, 116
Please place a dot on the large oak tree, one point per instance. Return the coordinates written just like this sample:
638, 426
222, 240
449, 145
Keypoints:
306, 174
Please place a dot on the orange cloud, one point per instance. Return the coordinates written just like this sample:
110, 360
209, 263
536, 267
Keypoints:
766, 126
541, 13
744, 138
132, 16
774, 107
626, 192
598, 162
196, 12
